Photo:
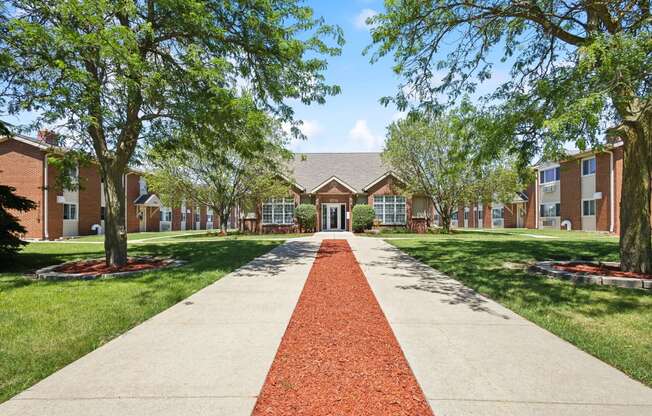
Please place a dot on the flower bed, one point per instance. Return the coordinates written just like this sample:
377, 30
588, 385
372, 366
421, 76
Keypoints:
97, 268
597, 273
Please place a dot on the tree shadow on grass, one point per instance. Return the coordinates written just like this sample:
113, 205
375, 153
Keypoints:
481, 265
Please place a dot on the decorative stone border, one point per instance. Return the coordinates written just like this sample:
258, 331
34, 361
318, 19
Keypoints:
49, 273
546, 268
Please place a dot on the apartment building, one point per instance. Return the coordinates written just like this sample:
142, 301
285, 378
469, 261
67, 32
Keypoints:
68, 213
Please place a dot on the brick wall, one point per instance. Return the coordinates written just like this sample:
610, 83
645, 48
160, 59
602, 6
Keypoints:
55, 209
571, 193
602, 184
509, 219
132, 191
21, 166
532, 207
89, 198
153, 219
176, 219
487, 220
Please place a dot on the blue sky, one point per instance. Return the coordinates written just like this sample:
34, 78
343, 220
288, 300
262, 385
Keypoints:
353, 120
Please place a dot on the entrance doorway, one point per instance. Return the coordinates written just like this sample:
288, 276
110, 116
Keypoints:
520, 215
142, 219
333, 217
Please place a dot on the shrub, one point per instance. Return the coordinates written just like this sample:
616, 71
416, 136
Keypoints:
10, 228
306, 215
363, 217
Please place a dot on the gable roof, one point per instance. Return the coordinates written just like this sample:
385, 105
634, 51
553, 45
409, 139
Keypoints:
357, 170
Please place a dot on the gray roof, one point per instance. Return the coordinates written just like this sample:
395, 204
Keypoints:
355, 169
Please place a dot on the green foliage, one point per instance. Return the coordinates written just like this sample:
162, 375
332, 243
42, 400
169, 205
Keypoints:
306, 215
439, 157
10, 228
362, 217
576, 66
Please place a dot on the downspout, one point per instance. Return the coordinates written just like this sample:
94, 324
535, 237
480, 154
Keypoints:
536, 201
45, 197
612, 209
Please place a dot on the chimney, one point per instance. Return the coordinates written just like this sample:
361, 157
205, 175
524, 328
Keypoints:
48, 136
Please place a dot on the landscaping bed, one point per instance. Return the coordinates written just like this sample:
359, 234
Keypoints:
96, 268
596, 273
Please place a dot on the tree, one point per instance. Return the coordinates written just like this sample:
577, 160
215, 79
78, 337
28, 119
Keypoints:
10, 228
576, 67
362, 217
438, 156
113, 75
306, 215
245, 169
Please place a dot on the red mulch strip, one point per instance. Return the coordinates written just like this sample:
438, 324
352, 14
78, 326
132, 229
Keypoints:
600, 269
99, 267
339, 355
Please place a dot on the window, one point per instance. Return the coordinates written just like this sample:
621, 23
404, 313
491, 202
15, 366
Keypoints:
550, 210
454, 216
588, 207
209, 215
390, 209
69, 211
73, 177
497, 213
142, 186
279, 211
588, 167
549, 175
197, 215
102, 213
479, 213
466, 214
166, 214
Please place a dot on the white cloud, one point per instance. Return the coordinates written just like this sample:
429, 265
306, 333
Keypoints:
360, 20
362, 135
310, 128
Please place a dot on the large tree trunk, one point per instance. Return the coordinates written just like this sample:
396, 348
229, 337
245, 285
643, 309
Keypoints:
224, 221
115, 238
635, 245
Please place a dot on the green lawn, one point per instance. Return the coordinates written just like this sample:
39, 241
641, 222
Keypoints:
46, 325
140, 236
610, 323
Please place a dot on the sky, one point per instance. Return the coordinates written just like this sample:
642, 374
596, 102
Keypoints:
354, 120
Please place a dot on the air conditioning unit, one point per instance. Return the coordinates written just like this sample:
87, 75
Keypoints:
549, 223
549, 188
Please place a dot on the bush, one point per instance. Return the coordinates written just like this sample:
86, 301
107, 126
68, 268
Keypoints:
306, 215
363, 217
10, 228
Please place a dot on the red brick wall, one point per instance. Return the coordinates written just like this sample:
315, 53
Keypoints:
132, 191
21, 166
571, 192
602, 184
618, 180
176, 219
203, 218
55, 210
153, 219
509, 219
532, 206
460, 217
89, 198
487, 220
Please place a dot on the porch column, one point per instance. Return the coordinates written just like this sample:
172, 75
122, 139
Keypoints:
349, 221
318, 208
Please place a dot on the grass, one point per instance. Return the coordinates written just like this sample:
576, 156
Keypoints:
240, 236
139, 236
46, 325
610, 323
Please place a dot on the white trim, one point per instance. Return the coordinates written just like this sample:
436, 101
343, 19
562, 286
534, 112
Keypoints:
337, 205
46, 234
336, 179
292, 182
383, 176
151, 201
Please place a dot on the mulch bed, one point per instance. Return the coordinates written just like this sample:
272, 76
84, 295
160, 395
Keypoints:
600, 269
339, 355
99, 267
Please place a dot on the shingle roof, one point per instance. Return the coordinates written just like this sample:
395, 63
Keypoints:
355, 169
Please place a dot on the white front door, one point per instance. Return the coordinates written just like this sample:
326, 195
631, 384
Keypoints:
142, 219
331, 216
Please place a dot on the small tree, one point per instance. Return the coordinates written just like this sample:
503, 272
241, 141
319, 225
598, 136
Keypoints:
363, 217
245, 168
306, 215
439, 158
9, 225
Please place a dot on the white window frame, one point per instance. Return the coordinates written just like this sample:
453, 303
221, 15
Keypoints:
165, 214
281, 211
557, 176
595, 207
595, 166
76, 217
549, 203
381, 201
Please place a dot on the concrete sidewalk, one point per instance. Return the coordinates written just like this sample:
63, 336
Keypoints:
209, 354
472, 356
